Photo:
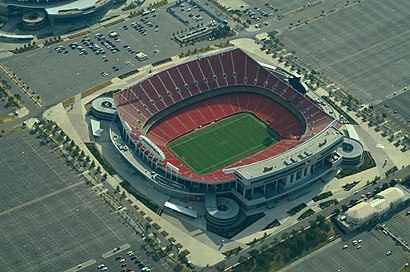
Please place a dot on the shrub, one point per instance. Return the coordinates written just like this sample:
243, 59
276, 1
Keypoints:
185, 252
322, 196
306, 214
179, 245
297, 209
156, 226
232, 251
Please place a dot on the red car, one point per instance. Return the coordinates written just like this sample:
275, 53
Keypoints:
118, 257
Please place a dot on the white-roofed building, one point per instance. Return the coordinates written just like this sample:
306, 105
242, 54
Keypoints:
392, 195
360, 213
368, 211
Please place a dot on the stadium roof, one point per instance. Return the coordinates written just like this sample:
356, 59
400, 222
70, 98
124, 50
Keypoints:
290, 157
140, 102
58, 7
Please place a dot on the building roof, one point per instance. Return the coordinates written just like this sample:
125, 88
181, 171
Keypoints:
352, 132
360, 213
58, 7
95, 127
392, 195
381, 204
186, 211
293, 156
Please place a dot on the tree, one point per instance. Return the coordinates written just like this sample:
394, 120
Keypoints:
393, 182
336, 211
253, 252
168, 249
178, 268
385, 186
285, 235
182, 258
344, 208
147, 226
377, 189
352, 202
321, 220
242, 259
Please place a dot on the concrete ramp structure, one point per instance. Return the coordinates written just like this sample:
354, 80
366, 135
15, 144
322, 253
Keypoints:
220, 211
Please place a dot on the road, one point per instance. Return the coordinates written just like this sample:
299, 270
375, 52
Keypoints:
230, 261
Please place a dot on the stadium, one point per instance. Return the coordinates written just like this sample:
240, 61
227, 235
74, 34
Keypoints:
224, 129
36, 14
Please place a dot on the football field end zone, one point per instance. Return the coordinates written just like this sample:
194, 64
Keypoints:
250, 122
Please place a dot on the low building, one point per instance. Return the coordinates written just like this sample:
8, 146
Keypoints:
371, 211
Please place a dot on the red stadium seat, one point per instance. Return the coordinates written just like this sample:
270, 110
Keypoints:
137, 104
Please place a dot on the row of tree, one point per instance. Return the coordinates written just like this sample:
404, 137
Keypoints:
292, 246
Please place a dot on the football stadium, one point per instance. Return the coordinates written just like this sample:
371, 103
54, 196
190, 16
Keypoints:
225, 129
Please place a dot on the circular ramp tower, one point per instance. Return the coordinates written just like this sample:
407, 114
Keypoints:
220, 211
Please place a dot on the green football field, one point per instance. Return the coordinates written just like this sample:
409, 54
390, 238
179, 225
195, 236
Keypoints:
216, 146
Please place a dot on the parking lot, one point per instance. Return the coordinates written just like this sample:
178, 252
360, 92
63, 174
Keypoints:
49, 219
128, 259
370, 256
277, 14
397, 109
399, 226
190, 14
57, 74
362, 47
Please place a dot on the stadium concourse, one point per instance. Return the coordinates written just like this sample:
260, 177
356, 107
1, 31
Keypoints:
184, 99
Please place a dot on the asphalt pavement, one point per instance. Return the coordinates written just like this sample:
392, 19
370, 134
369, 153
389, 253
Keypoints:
230, 261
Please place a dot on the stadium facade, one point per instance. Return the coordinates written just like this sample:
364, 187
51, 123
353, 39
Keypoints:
35, 14
183, 99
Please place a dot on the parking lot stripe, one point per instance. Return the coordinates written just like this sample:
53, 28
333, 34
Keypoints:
99, 217
41, 198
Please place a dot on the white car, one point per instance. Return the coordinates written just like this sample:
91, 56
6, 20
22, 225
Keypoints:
122, 260
344, 247
129, 253
104, 268
100, 266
